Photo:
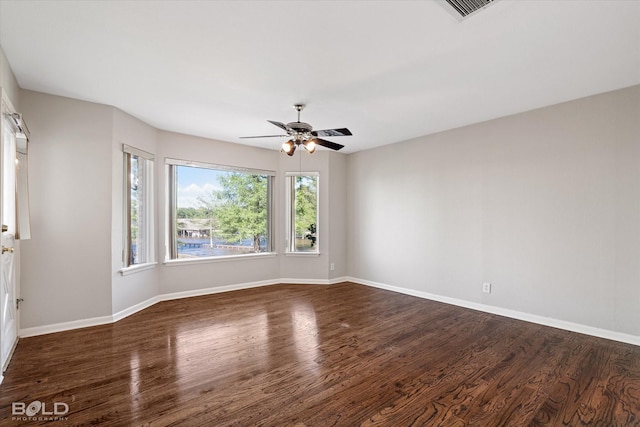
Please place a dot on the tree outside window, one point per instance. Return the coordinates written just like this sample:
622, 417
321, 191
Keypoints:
303, 209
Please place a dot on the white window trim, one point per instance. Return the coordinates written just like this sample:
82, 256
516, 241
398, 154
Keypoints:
170, 209
290, 214
223, 258
137, 268
303, 254
215, 166
150, 212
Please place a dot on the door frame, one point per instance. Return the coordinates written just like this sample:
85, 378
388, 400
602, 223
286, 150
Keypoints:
6, 107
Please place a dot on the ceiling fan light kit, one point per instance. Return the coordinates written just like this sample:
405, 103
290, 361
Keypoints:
302, 133
310, 146
289, 148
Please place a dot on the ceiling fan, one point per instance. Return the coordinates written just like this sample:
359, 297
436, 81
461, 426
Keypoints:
302, 133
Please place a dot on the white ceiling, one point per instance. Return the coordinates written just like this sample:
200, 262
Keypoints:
387, 70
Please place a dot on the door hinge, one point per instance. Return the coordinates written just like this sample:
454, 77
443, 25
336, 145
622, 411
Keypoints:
18, 301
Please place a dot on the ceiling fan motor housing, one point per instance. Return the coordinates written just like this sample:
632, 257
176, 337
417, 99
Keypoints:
301, 131
300, 127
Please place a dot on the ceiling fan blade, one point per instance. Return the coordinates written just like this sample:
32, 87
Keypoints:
332, 132
328, 144
263, 136
280, 125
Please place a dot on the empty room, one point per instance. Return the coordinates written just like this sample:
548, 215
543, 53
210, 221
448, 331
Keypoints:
320, 213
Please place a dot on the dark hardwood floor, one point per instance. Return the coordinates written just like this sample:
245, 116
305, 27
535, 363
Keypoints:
340, 355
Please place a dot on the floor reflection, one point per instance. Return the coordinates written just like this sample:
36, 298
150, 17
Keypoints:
230, 349
305, 333
235, 349
134, 381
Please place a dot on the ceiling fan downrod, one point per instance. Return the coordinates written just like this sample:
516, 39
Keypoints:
298, 108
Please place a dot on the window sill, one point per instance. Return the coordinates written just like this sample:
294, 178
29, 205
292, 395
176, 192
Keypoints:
302, 254
206, 260
137, 268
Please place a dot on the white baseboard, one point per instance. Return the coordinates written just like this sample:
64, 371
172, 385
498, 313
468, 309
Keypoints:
216, 290
541, 320
527, 317
95, 321
134, 309
64, 326
313, 281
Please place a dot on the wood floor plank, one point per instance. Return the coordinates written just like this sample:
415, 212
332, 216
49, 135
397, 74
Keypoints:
340, 355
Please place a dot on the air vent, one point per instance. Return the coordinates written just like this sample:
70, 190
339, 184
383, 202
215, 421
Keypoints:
464, 8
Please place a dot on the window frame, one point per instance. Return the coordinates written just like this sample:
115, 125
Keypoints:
148, 201
290, 228
171, 250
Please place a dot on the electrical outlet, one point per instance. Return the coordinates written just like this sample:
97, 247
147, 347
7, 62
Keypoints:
486, 288
333, 266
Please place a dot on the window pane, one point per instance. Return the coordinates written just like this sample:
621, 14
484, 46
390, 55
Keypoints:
138, 210
220, 212
305, 213
138, 207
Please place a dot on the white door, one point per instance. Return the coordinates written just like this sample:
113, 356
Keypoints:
8, 311
8, 300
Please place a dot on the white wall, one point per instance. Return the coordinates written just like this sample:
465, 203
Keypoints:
132, 289
545, 205
338, 205
66, 266
8, 81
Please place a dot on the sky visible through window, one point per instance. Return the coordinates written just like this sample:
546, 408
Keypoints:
195, 183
